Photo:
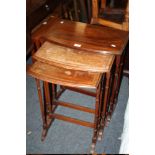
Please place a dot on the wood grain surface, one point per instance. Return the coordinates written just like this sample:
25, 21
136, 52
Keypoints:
92, 38
61, 76
73, 59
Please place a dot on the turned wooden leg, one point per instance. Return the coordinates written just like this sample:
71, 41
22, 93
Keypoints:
115, 85
113, 104
109, 104
49, 101
119, 80
118, 61
120, 73
105, 104
47, 96
47, 121
99, 136
42, 109
96, 119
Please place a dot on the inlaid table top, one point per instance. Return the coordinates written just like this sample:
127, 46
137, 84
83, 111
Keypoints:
73, 59
92, 38
62, 76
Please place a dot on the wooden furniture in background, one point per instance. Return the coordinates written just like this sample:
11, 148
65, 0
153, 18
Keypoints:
75, 10
97, 19
67, 67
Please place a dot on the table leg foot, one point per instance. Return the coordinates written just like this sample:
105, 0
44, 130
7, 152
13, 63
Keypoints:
92, 148
45, 128
100, 135
108, 119
44, 133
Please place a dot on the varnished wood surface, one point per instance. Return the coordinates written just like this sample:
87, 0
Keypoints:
43, 27
74, 106
73, 59
72, 120
63, 76
92, 38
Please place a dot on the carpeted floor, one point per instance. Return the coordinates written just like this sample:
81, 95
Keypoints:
67, 138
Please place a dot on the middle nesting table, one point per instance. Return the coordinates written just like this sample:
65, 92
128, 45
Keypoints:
73, 68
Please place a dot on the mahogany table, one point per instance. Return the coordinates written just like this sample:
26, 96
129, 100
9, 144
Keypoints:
90, 38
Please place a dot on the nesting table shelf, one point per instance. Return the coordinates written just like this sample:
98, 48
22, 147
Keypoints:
72, 78
73, 58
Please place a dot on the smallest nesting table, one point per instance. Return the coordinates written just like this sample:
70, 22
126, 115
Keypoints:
72, 68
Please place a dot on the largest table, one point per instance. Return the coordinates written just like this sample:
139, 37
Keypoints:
92, 38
